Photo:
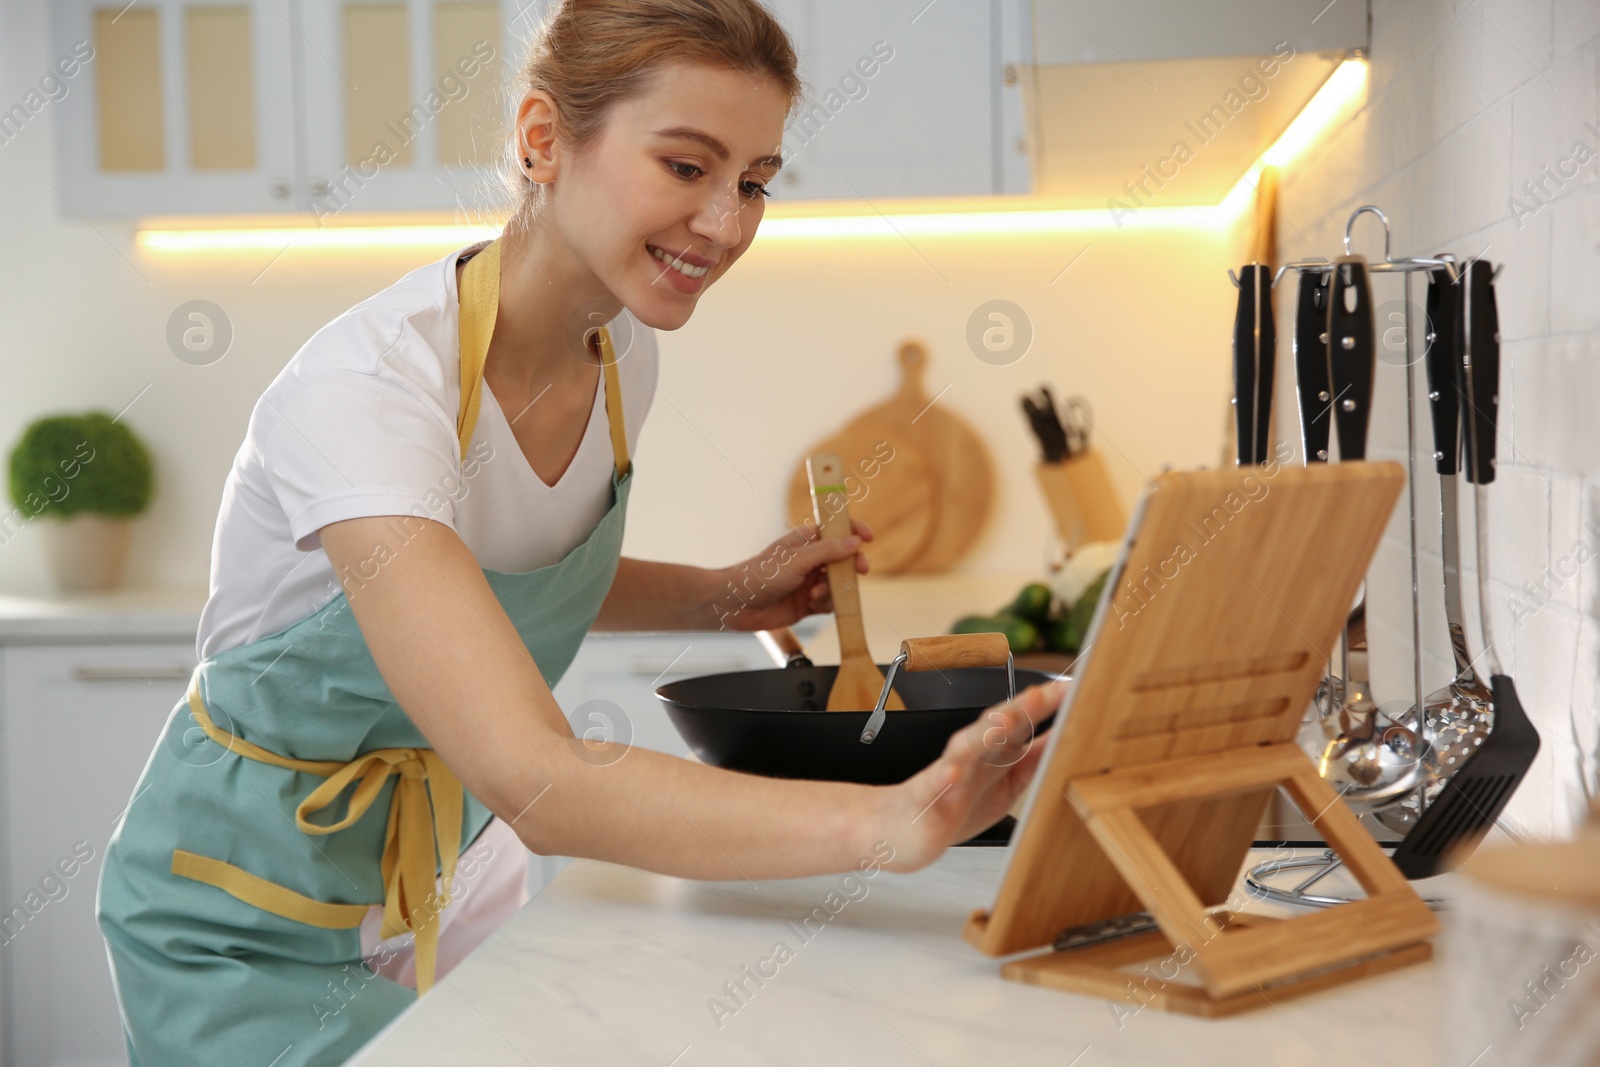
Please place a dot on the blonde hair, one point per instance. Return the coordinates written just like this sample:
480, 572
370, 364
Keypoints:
590, 55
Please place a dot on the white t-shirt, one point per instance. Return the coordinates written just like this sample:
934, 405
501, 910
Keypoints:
362, 422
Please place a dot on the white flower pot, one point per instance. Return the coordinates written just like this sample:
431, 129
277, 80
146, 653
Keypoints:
86, 552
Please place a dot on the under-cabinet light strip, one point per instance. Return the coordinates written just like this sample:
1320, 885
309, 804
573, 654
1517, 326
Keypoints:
1326, 106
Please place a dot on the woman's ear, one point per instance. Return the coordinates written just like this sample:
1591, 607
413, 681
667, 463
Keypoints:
536, 138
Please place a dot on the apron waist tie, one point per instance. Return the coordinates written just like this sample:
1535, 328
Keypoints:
424, 815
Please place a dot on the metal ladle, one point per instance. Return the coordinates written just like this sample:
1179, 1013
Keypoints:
1373, 758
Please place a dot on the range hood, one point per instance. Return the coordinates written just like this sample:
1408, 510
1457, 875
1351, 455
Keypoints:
1168, 102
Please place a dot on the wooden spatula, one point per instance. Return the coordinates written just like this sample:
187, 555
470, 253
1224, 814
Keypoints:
859, 682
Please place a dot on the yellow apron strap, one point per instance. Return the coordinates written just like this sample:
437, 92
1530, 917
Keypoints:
268, 896
480, 303
197, 708
423, 835
619, 428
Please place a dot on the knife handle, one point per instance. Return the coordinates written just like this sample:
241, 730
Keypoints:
1480, 415
1312, 383
1442, 359
1352, 350
1255, 345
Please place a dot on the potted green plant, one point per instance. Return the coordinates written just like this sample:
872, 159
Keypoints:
86, 476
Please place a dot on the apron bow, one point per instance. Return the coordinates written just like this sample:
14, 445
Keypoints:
423, 833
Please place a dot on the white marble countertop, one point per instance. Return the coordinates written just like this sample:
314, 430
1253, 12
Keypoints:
892, 608
611, 965
153, 613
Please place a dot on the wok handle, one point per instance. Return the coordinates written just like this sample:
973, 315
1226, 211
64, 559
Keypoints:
784, 647
955, 650
949, 652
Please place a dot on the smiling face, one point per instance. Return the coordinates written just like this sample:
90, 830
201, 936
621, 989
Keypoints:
669, 194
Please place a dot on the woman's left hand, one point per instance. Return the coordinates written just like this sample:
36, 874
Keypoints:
787, 580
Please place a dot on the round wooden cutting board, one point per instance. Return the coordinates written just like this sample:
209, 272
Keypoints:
928, 504
890, 487
954, 451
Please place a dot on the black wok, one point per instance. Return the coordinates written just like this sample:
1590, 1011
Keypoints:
773, 722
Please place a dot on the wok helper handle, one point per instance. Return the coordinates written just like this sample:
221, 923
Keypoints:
948, 652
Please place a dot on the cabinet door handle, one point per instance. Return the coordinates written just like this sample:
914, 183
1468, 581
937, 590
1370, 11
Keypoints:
158, 673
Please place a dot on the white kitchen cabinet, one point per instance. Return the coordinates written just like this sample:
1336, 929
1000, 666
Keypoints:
77, 721
906, 99
338, 108
196, 107
405, 105
177, 107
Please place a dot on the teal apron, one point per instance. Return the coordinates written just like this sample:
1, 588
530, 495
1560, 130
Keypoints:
290, 793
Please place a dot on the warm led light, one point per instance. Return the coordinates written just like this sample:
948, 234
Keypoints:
1343, 88
983, 222
1330, 104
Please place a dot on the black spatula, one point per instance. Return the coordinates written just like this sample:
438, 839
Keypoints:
1476, 794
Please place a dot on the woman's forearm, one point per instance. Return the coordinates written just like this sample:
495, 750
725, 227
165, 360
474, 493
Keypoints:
461, 670
647, 595
647, 809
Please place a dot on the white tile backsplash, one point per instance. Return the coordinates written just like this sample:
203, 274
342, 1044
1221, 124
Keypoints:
1515, 45
1523, 294
1572, 548
1467, 100
1546, 654
1549, 118
1577, 22
1457, 82
1575, 262
1483, 178
1519, 522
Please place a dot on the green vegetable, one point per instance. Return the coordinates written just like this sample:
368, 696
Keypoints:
67, 464
1059, 636
1033, 603
1021, 635
1076, 625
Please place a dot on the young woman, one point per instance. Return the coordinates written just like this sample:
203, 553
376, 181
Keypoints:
423, 522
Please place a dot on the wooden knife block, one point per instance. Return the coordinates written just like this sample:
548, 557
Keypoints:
1082, 500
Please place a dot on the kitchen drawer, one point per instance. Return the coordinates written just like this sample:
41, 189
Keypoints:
77, 722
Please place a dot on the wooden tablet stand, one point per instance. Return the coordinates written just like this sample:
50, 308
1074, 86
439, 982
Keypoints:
1179, 726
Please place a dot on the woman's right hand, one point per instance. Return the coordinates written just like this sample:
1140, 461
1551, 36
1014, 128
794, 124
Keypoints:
984, 769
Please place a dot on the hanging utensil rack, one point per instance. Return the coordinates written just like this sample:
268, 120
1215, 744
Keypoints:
1406, 267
